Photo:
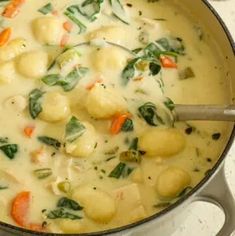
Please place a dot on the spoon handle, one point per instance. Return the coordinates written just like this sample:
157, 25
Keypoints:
205, 112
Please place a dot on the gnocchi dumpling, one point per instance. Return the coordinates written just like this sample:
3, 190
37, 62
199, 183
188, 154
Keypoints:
7, 72
98, 205
32, 64
104, 102
47, 30
162, 142
72, 226
129, 203
13, 49
108, 57
172, 181
55, 107
115, 34
84, 145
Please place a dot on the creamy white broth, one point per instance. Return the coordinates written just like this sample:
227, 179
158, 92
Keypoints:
138, 194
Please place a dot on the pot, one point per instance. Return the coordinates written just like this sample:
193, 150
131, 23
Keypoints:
213, 188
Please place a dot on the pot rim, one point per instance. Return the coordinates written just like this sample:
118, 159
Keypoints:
183, 199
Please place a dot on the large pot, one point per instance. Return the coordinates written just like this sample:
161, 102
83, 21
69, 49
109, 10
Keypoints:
213, 188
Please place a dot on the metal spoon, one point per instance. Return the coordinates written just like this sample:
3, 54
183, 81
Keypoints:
188, 112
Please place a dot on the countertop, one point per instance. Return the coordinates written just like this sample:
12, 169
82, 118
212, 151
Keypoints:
205, 219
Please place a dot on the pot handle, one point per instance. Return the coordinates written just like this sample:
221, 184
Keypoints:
217, 192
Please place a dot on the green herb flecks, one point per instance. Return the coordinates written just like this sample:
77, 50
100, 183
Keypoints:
35, 107
74, 129
50, 141
61, 213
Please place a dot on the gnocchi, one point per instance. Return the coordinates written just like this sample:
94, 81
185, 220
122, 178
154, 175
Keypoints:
16, 103
172, 181
72, 227
107, 57
32, 64
162, 142
115, 34
13, 49
84, 146
104, 102
98, 205
7, 72
47, 30
55, 107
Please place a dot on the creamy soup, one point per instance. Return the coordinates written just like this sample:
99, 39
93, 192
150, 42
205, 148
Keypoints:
88, 139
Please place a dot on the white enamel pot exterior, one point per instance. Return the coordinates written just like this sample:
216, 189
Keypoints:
213, 188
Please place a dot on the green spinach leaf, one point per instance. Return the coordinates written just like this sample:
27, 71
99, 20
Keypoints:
35, 107
69, 204
50, 141
60, 213
9, 150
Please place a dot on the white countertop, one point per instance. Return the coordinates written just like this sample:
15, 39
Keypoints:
205, 219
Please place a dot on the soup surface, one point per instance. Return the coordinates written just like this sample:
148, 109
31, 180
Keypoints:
87, 135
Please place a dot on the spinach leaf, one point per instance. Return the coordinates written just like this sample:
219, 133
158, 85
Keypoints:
35, 107
90, 9
128, 126
169, 104
50, 141
69, 204
174, 45
60, 213
154, 68
134, 144
149, 112
3, 140
129, 71
42, 173
119, 11
70, 13
74, 129
121, 170
9, 150
68, 82
51, 79
46, 9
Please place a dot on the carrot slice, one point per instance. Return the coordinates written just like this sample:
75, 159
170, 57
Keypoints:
167, 62
68, 26
28, 131
64, 41
5, 36
118, 122
20, 208
12, 9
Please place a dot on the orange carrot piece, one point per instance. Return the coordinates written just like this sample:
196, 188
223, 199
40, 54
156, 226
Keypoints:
167, 62
118, 122
5, 36
92, 85
20, 208
28, 131
12, 9
64, 41
68, 26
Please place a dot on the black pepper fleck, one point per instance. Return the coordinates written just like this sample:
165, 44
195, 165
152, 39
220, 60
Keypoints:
216, 136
